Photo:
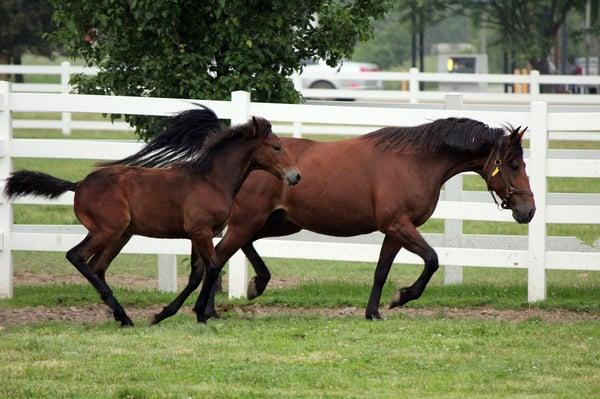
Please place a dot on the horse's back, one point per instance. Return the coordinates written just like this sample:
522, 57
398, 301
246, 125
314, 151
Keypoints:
118, 197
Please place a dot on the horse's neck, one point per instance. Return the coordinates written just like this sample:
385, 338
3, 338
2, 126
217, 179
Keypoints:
230, 167
451, 165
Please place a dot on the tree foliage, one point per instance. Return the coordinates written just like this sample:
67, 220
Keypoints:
192, 49
528, 27
22, 25
391, 44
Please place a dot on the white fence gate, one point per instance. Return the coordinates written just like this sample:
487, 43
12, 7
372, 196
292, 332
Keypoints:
537, 253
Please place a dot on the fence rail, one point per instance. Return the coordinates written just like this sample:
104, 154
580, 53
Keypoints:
537, 252
414, 95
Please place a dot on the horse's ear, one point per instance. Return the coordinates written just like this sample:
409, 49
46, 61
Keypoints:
514, 133
255, 128
517, 134
521, 133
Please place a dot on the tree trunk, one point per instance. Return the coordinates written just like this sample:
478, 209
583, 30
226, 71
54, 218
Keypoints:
4, 60
17, 61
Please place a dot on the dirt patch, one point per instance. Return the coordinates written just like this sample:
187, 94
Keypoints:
24, 277
483, 313
284, 282
96, 313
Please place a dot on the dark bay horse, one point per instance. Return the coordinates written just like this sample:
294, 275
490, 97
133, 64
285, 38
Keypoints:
190, 199
388, 180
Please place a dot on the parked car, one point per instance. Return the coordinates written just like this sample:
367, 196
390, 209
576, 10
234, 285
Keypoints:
319, 75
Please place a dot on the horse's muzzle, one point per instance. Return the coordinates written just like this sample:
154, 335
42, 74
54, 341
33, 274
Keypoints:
292, 176
523, 214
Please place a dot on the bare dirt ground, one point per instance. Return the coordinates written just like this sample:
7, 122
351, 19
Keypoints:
97, 313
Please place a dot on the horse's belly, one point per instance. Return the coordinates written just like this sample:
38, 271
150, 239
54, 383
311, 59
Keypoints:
339, 228
332, 217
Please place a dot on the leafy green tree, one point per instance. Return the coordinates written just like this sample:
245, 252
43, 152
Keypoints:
391, 44
528, 27
206, 49
22, 25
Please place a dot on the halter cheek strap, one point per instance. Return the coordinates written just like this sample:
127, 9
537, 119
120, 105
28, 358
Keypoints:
496, 160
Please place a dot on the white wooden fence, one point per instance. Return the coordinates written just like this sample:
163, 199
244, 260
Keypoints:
413, 95
537, 252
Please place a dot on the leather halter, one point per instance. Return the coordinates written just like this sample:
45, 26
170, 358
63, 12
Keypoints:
496, 160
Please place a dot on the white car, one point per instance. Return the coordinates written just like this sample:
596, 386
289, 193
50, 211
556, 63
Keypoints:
319, 75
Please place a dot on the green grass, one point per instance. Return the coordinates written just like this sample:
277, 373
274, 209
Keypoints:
317, 284
295, 356
302, 356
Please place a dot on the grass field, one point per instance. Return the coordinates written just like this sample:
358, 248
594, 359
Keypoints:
305, 337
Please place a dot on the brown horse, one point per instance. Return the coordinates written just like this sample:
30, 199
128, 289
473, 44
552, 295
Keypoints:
388, 180
191, 199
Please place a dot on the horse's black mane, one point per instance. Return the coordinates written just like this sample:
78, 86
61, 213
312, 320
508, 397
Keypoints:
454, 135
191, 137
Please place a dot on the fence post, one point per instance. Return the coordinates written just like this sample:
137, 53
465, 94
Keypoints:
297, 130
534, 85
65, 77
6, 212
453, 228
413, 85
167, 273
238, 267
538, 150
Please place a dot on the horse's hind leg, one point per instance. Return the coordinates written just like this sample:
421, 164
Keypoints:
78, 256
413, 241
103, 258
258, 283
388, 252
277, 225
197, 268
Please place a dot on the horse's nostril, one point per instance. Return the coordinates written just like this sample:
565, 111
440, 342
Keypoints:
298, 176
531, 213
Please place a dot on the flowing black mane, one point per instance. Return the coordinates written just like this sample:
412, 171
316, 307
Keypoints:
191, 137
455, 135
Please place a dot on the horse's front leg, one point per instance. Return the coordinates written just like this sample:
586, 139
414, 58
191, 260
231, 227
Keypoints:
388, 252
194, 280
410, 238
206, 250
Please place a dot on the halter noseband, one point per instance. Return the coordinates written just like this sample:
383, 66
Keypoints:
496, 160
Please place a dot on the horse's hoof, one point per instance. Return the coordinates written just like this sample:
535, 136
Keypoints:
212, 315
251, 293
396, 299
374, 316
202, 320
155, 319
126, 323
253, 290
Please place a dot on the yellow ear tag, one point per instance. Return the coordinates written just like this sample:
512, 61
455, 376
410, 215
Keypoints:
495, 172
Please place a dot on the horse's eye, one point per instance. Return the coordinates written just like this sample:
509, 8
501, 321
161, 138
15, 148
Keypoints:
514, 165
277, 148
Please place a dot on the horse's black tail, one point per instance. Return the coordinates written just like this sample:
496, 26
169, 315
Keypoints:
26, 182
180, 137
